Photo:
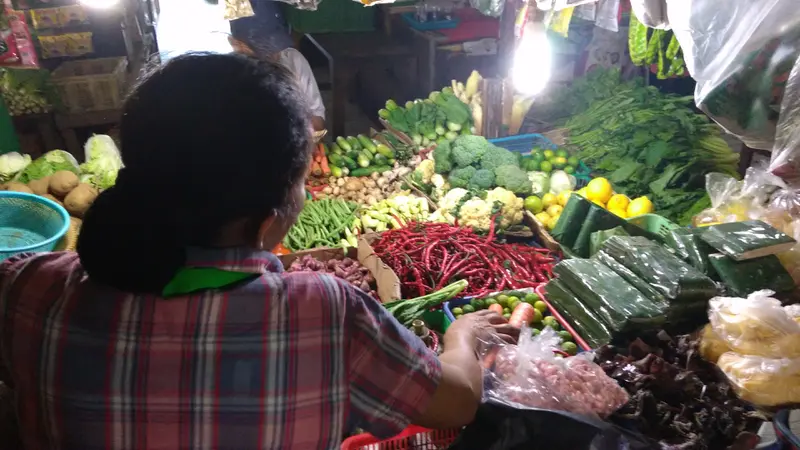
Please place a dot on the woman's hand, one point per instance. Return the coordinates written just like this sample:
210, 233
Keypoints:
480, 325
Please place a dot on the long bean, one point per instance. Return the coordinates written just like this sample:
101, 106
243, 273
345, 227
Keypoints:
321, 223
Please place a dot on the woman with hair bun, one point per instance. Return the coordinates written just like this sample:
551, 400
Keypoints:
173, 328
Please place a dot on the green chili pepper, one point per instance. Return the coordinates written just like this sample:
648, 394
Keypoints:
637, 41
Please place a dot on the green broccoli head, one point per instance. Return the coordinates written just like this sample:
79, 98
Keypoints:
482, 179
497, 156
441, 156
460, 176
512, 178
468, 150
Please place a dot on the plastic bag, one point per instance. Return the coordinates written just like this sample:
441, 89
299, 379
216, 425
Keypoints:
755, 326
17, 47
763, 381
500, 427
558, 5
530, 375
491, 8
740, 56
652, 13
103, 162
711, 345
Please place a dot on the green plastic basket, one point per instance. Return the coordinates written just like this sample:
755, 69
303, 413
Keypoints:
335, 16
654, 224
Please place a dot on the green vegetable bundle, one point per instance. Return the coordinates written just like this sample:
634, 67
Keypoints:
442, 116
48, 164
662, 48
648, 143
324, 223
405, 311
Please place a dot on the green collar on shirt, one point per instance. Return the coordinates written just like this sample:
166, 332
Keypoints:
194, 279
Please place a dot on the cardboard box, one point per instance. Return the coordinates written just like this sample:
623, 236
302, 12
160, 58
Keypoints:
387, 283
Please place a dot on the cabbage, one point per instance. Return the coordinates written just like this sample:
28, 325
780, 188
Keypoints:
11, 164
46, 165
540, 182
561, 181
103, 162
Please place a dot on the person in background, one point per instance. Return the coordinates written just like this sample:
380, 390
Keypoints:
266, 35
174, 327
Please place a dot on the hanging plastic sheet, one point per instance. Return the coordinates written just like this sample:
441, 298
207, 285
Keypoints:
741, 56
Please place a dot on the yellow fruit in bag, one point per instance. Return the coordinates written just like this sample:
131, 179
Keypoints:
762, 381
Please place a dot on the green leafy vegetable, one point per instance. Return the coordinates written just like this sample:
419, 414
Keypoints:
48, 164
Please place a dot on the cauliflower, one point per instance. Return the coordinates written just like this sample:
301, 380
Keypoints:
460, 177
424, 171
497, 156
482, 179
451, 199
475, 213
511, 210
441, 155
440, 186
513, 178
440, 216
468, 149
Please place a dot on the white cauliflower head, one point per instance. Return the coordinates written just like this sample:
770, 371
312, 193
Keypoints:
475, 213
511, 210
451, 199
425, 170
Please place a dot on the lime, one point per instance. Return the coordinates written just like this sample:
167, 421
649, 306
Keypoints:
537, 155
532, 165
569, 170
548, 154
490, 301
551, 322
478, 304
565, 336
573, 161
559, 162
533, 204
541, 306
507, 315
513, 305
562, 153
537, 316
457, 311
531, 298
546, 166
468, 309
535, 331
512, 299
502, 300
569, 348
506, 310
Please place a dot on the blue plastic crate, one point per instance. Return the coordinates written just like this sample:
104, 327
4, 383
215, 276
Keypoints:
433, 25
523, 143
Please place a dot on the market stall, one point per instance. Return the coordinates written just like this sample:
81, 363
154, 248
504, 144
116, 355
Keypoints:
656, 290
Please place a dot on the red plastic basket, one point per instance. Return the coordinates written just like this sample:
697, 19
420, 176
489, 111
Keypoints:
578, 339
412, 438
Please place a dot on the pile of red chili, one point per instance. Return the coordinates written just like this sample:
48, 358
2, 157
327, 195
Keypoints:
429, 256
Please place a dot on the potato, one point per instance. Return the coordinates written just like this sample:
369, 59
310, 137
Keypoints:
50, 197
39, 187
15, 186
63, 182
80, 199
354, 184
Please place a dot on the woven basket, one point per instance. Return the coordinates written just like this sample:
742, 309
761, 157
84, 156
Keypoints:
70, 240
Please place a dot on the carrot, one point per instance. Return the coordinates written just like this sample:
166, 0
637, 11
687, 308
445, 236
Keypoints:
323, 160
522, 315
496, 308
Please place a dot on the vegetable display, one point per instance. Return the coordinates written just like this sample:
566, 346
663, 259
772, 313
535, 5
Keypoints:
442, 116
648, 143
359, 157
46, 165
394, 212
428, 256
324, 223
662, 48
26, 91
63, 187
367, 190
405, 311
498, 207
103, 162
676, 397
347, 269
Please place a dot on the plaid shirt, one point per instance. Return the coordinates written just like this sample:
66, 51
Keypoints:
283, 361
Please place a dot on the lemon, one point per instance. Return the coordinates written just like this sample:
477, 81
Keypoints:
554, 210
543, 217
618, 201
599, 189
552, 222
582, 192
639, 206
599, 203
563, 197
548, 200
618, 212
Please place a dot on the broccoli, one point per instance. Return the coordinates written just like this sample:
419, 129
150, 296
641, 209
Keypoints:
497, 156
441, 156
482, 179
467, 150
513, 178
461, 176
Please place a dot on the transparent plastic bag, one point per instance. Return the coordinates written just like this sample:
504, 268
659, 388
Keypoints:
491, 8
711, 345
755, 326
740, 56
763, 381
531, 375
652, 13
558, 5
785, 159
